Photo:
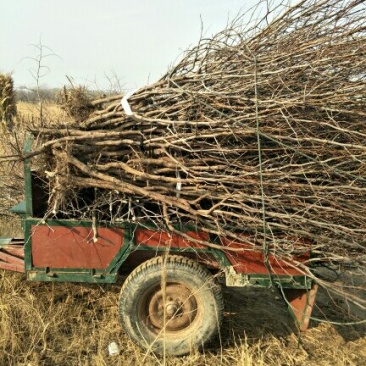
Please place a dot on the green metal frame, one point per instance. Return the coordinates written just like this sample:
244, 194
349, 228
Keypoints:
5, 241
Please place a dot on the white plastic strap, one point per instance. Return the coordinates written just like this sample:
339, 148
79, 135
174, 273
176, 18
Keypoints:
125, 105
179, 184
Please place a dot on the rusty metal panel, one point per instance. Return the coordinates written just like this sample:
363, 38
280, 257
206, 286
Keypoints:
153, 238
252, 260
12, 254
12, 266
74, 247
15, 250
301, 303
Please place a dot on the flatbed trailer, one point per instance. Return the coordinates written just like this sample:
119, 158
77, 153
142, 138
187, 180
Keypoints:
170, 301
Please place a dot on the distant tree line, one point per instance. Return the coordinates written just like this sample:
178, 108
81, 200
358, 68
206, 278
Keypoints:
29, 95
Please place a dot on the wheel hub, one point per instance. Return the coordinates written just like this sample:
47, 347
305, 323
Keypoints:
173, 307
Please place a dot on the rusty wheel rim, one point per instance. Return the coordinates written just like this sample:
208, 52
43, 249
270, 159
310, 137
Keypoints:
175, 310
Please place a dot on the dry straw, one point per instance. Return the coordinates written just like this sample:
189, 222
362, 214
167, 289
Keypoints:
8, 107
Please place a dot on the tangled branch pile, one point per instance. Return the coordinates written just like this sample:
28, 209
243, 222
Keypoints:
258, 130
76, 102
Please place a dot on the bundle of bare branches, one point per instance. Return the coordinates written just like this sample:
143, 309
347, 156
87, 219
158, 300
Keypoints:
258, 130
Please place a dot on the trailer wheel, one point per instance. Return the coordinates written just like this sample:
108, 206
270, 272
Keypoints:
171, 305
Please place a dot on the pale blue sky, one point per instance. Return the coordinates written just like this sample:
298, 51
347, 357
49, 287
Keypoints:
135, 40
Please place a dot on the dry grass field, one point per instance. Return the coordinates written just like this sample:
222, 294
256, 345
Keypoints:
73, 324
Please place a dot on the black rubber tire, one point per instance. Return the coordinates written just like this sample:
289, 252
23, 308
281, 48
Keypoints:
192, 298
